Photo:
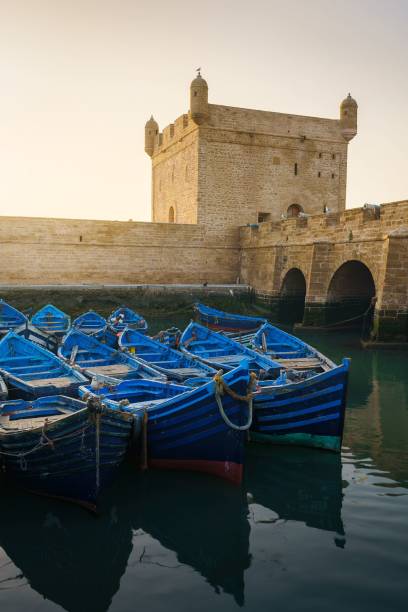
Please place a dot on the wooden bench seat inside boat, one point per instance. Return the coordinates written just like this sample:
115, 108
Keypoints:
25, 424
187, 371
302, 363
116, 368
61, 381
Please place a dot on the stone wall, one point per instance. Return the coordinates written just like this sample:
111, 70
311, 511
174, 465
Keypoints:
320, 245
48, 251
244, 162
175, 173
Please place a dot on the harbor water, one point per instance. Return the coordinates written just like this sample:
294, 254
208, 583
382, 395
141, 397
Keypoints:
309, 530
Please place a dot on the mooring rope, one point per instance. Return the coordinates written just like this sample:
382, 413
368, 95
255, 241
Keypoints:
221, 387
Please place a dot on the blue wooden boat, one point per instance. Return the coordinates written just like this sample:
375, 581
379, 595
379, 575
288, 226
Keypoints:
107, 336
90, 323
10, 317
3, 390
62, 447
51, 320
31, 371
170, 337
220, 352
97, 360
289, 351
302, 406
34, 334
129, 394
170, 362
195, 429
123, 317
225, 321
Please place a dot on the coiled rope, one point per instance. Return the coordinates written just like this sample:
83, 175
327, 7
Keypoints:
221, 387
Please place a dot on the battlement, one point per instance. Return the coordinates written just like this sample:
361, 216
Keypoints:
274, 124
367, 223
173, 133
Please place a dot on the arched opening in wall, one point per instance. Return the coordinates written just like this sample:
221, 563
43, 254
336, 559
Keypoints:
294, 210
292, 297
171, 214
350, 296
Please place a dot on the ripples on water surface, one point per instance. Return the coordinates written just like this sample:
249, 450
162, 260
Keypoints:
308, 531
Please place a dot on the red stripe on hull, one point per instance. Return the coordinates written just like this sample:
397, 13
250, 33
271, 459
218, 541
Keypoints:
224, 469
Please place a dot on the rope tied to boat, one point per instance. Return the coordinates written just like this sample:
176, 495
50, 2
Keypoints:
45, 440
221, 387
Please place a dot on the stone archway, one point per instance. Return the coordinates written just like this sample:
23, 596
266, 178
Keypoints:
294, 210
292, 296
350, 295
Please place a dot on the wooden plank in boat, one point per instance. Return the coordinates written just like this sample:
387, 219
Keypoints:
62, 381
301, 363
117, 368
187, 371
26, 424
228, 358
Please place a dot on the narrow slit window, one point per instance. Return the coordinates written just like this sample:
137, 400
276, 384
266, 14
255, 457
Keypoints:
295, 169
332, 175
319, 174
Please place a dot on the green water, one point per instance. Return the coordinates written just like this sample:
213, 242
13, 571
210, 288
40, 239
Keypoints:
308, 531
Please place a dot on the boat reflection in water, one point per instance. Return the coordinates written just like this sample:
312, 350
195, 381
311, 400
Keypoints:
65, 554
206, 525
303, 485
78, 561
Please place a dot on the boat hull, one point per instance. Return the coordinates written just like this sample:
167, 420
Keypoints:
73, 460
189, 433
44, 339
308, 413
224, 321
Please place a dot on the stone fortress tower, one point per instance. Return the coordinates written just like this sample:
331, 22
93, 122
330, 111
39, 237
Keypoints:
224, 167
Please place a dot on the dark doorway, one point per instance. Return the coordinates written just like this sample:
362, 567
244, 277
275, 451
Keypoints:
292, 297
349, 296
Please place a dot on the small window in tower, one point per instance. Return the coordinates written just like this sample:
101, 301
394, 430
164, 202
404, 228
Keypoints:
332, 174
319, 174
295, 169
171, 214
294, 210
195, 94
333, 156
263, 217
320, 156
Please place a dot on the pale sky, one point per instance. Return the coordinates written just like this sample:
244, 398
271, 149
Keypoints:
79, 79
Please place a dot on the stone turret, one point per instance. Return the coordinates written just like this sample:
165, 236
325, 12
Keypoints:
348, 118
199, 100
151, 132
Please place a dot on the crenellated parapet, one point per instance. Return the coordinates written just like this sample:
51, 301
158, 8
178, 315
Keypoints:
352, 262
157, 141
